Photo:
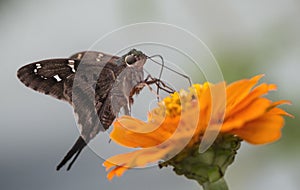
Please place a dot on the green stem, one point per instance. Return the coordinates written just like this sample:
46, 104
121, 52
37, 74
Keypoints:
217, 185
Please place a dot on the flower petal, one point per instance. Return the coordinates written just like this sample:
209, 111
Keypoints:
237, 91
117, 171
138, 158
123, 134
262, 130
257, 92
256, 108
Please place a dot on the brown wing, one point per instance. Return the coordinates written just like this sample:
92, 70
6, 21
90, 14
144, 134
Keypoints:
48, 76
55, 76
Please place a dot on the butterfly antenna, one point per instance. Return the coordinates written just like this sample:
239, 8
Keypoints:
162, 64
161, 70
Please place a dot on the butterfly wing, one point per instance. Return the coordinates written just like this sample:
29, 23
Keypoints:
92, 56
48, 76
54, 76
85, 80
90, 88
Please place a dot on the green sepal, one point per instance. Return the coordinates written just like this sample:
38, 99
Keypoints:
207, 168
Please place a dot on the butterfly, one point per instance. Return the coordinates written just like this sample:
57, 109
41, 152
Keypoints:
96, 84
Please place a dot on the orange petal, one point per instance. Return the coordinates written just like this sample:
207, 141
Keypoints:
262, 130
237, 91
138, 158
117, 171
257, 108
277, 103
256, 93
279, 111
123, 135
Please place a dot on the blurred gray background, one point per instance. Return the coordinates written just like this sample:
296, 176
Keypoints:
247, 38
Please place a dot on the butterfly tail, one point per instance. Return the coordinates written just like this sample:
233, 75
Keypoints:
75, 150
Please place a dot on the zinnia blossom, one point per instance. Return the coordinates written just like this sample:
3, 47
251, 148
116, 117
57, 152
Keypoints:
180, 120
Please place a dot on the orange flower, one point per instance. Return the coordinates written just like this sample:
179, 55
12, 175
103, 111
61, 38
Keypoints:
180, 121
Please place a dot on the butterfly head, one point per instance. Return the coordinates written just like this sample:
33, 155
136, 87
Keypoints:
135, 58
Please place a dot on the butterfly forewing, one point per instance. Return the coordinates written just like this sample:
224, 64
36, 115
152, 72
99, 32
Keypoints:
54, 76
93, 56
48, 76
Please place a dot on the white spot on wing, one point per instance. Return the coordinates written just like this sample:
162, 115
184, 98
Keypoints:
35, 71
57, 78
100, 55
72, 67
38, 66
79, 56
71, 64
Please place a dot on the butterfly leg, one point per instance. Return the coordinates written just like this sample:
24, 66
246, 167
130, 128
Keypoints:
149, 80
159, 83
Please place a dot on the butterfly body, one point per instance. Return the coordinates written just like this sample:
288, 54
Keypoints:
96, 84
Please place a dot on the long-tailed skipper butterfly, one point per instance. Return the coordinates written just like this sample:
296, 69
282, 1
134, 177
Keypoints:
96, 84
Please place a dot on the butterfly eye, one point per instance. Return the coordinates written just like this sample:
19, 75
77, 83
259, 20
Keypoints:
130, 59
